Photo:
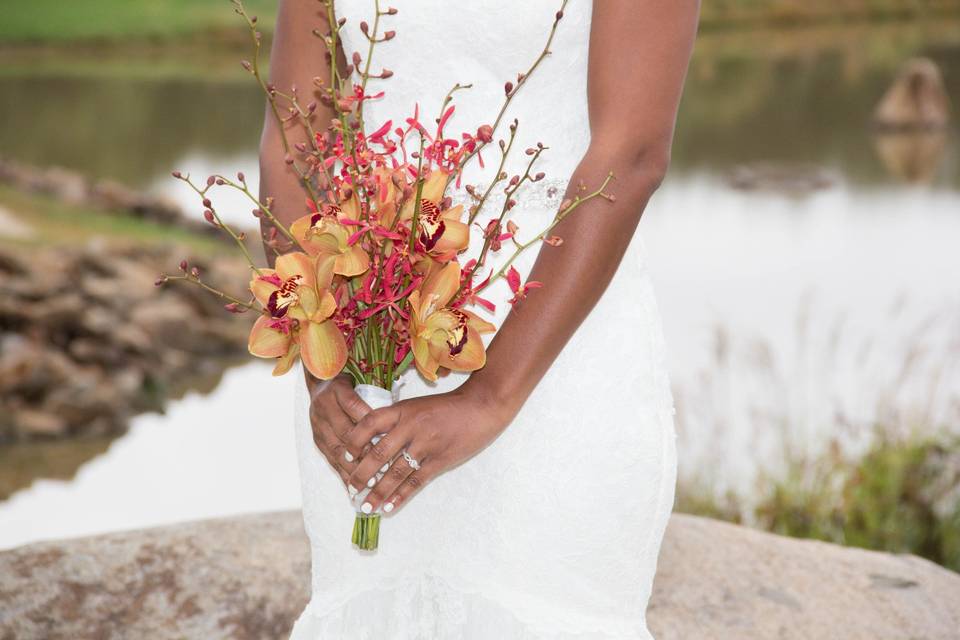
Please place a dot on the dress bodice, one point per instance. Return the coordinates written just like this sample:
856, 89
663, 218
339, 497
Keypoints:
485, 43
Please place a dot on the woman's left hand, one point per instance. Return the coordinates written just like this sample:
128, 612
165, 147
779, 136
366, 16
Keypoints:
439, 432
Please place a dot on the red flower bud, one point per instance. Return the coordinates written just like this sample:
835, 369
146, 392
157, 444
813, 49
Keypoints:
208, 216
364, 27
554, 241
207, 203
485, 133
386, 73
288, 159
391, 11
253, 19
539, 176
195, 272
177, 175
389, 35
160, 281
241, 177
246, 65
508, 88
183, 266
559, 15
356, 59
233, 307
210, 181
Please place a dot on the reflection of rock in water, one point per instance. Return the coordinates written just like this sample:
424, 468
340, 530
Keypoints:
911, 156
916, 100
911, 121
21, 464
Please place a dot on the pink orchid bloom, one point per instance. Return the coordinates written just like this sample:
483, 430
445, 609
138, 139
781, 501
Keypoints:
520, 291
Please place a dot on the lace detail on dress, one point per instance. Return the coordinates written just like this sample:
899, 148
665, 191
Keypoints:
542, 196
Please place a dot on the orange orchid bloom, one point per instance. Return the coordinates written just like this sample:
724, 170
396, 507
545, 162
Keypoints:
322, 234
442, 336
441, 230
298, 321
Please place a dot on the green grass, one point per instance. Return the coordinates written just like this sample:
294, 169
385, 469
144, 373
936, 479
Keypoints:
63, 21
902, 495
54, 223
134, 21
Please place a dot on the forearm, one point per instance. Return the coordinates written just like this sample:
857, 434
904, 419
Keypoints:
296, 60
574, 275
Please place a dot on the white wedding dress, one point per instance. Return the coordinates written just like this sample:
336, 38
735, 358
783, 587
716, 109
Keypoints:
553, 531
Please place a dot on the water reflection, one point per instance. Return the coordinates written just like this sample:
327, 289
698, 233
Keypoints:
796, 97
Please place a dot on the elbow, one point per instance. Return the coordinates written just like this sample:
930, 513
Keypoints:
641, 164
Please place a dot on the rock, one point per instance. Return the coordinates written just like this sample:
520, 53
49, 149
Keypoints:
790, 178
248, 577
37, 423
88, 339
718, 580
916, 100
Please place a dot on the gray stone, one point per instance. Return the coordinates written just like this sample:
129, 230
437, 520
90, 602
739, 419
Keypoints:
248, 577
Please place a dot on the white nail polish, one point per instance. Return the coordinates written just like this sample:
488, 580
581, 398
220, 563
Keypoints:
367, 507
384, 468
371, 482
387, 508
352, 490
348, 456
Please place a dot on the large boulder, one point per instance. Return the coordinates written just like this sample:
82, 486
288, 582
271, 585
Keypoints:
248, 577
916, 100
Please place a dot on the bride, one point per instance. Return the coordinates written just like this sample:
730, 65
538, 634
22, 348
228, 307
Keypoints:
533, 494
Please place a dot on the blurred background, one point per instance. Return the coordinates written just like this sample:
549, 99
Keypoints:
805, 248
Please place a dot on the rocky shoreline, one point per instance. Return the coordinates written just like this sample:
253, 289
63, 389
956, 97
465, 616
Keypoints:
87, 340
248, 577
74, 188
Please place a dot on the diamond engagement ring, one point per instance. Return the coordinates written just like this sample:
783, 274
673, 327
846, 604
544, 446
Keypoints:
410, 460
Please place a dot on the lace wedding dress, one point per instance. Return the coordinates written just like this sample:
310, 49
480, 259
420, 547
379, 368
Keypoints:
553, 531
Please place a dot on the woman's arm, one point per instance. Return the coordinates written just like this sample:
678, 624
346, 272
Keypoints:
639, 51
295, 59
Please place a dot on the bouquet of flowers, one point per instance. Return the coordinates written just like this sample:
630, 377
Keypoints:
369, 280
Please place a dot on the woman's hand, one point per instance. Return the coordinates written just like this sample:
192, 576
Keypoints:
335, 408
438, 431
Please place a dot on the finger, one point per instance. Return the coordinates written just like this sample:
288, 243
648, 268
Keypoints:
337, 424
333, 454
393, 477
376, 458
325, 436
411, 485
350, 403
374, 423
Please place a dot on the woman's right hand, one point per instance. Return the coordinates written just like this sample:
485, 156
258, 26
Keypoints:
334, 408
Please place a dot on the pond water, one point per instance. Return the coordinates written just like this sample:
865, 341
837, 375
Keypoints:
806, 268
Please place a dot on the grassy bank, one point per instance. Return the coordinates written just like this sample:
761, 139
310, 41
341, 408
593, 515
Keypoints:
902, 495
58, 22
47, 221
138, 22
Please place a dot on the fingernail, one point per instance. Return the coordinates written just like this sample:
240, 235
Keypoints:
372, 481
384, 468
348, 456
367, 507
352, 490
387, 508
